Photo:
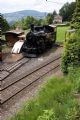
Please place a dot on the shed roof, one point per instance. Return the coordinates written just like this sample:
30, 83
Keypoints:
22, 36
51, 25
14, 32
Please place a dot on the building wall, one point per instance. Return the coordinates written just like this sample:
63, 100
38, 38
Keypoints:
57, 19
11, 39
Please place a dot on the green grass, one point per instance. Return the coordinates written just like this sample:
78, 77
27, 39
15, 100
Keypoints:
6, 49
26, 31
61, 33
55, 100
3, 37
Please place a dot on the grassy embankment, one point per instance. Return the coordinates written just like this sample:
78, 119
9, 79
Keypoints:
55, 101
61, 33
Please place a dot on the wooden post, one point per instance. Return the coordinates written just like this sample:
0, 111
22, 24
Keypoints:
0, 42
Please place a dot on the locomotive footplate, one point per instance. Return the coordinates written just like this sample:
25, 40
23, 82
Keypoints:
29, 55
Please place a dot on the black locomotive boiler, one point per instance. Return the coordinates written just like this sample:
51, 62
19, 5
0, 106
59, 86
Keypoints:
39, 39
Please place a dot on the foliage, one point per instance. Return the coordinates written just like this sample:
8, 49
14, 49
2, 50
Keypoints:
4, 24
76, 16
47, 115
55, 101
74, 76
54, 13
17, 24
71, 55
26, 22
50, 17
67, 11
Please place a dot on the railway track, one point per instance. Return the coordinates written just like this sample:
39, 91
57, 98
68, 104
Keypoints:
28, 79
6, 69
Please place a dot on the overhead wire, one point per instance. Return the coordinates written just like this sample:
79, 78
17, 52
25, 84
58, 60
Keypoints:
55, 2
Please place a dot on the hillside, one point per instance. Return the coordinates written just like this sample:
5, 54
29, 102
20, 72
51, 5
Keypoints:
12, 17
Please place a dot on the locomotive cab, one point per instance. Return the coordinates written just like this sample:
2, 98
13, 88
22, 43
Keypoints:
39, 39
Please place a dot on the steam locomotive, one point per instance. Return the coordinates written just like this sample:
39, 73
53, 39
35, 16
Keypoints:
39, 39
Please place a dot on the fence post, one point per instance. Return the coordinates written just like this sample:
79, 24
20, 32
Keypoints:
0, 41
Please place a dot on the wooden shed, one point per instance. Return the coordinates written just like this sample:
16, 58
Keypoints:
12, 36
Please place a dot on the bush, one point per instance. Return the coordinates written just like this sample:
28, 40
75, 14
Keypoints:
74, 76
71, 55
47, 115
75, 23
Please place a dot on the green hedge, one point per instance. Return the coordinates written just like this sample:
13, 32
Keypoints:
71, 54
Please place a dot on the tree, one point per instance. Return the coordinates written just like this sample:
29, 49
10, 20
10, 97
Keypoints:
54, 13
26, 22
17, 24
4, 24
67, 11
71, 10
50, 17
75, 23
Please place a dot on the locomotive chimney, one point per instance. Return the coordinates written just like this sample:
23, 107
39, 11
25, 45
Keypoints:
32, 27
